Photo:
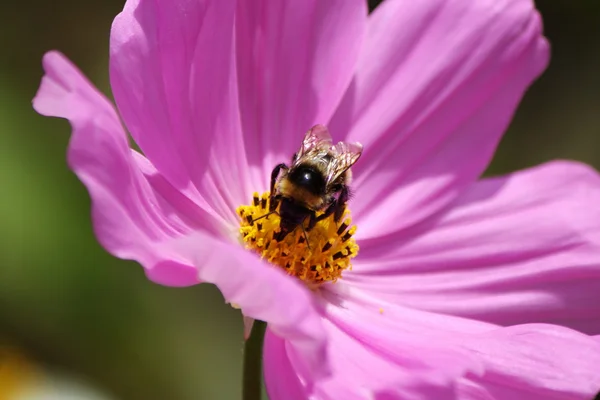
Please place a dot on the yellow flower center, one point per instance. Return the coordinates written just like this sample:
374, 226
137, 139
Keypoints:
327, 254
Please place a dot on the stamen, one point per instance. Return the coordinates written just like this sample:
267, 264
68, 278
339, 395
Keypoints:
327, 254
341, 229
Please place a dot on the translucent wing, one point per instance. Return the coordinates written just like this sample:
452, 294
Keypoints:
344, 156
317, 147
316, 140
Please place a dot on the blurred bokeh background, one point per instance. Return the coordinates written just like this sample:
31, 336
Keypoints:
69, 312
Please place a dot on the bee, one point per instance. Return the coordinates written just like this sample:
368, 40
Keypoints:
315, 182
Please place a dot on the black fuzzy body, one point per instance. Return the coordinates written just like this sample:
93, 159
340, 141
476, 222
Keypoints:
292, 215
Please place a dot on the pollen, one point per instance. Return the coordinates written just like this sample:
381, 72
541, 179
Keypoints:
329, 251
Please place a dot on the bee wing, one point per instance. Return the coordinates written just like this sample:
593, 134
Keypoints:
344, 156
316, 139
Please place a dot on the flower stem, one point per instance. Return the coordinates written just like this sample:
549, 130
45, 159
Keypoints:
252, 384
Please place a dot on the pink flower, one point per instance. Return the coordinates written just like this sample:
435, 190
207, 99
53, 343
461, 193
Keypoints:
462, 289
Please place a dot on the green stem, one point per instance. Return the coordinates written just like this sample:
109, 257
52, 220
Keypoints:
252, 384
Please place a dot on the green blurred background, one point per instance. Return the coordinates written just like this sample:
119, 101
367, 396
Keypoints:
69, 305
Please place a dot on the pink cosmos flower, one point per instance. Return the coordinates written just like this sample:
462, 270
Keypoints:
462, 289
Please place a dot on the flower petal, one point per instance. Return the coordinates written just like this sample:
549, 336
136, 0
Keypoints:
370, 357
262, 291
535, 362
131, 219
280, 378
436, 85
358, 374
295, 60
173, 76
514, 249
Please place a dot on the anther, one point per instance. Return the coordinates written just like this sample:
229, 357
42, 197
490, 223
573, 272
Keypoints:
342, 228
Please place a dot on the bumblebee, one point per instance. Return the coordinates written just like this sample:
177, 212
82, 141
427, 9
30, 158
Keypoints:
315, 185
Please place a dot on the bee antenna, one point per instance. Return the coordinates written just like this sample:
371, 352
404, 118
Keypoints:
263, 216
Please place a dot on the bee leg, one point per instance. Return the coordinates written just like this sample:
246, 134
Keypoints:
278, 236
275, 173
312, 221
305, 235
336, 207
341, 203
273, 201
264, 216
328, 211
